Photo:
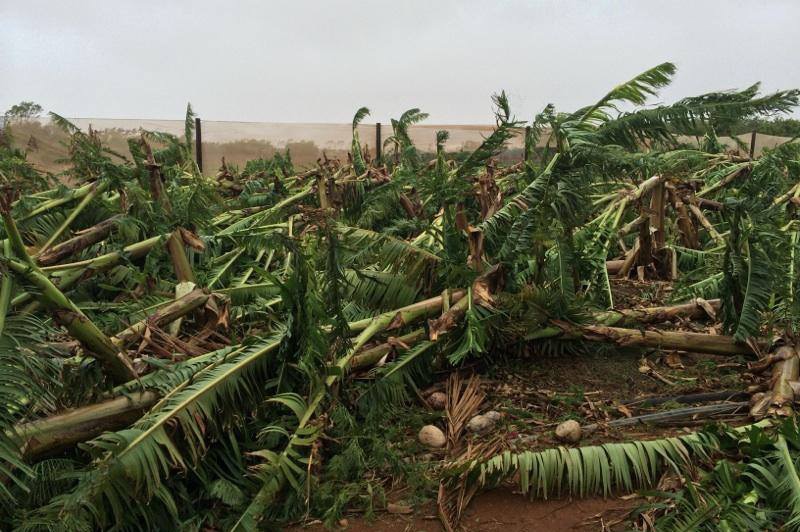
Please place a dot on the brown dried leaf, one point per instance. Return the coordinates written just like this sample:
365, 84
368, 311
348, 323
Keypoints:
191, 239
707, 307
673, 360
397, 322
624, 410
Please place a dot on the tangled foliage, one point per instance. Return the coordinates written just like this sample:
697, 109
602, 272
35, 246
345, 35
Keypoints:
238, 349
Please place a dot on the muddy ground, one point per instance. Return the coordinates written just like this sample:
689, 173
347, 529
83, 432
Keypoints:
503, 510
536, 392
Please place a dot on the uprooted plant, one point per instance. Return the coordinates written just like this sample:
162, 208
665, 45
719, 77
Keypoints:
180, 351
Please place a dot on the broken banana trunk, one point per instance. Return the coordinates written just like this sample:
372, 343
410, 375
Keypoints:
426, 308
784, 385
694, 309
166, 314
49, 435
78, 243
676, 340
62, 430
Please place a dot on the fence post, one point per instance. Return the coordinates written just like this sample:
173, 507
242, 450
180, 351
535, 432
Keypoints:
378, 142
526, 149
198, 143
752, 144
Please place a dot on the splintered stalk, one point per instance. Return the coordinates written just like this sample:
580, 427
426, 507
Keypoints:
132, 251
82, 240
370, 357
183, 272
425, 308
154, 171
180, 262
623, 197
791, 193
695, 309
97, 189
685, 225
738, 170
66, 312
182, 290
289, 232
164, 315
713, 233
63, 430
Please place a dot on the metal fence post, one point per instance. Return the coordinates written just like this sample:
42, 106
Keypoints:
378, 142
198, 143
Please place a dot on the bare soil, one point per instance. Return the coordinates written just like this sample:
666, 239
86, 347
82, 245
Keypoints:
506, 511
536, 391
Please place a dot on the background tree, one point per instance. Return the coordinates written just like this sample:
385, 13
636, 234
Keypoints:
24, 110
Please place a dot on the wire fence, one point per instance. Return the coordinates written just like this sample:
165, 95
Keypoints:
239, 142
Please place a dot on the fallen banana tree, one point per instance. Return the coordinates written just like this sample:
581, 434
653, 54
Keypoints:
50, 434
82, 240
655, 339
66, 429
123, 355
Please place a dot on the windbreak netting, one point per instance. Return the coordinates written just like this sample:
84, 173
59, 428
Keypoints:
238, 142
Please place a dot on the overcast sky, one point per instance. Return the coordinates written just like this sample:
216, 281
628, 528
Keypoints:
319, 60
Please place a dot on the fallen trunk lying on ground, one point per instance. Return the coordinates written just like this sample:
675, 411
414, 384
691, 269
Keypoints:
65, 429
724, 395
694, 309
371, 356
676, 340
677, 415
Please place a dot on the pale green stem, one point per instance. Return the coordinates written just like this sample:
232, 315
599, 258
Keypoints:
5, 289
96, 191
52, 204
110, 259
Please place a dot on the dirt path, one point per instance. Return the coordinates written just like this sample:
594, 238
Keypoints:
502, 510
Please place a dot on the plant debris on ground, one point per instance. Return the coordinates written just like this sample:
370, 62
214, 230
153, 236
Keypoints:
614, 315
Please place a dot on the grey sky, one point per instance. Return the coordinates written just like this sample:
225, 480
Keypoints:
318, 60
